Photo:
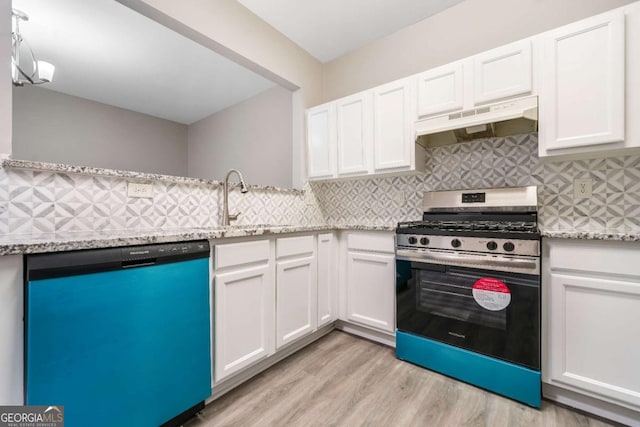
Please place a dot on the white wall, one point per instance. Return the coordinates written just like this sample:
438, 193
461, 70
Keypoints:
465, 29
5, 81
232, 30
253, 136
53, 127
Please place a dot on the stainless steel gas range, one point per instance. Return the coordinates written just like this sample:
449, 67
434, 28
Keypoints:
468, 289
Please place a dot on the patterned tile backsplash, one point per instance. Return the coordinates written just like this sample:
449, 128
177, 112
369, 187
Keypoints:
499, 162
43, 202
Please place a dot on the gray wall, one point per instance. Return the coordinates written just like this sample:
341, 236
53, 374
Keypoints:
53, 127
465, 29
254, 136
5, 77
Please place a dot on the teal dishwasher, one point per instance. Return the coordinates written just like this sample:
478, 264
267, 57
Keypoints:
119, 336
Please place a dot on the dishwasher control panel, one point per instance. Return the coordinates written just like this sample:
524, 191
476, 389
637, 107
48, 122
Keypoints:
135, 253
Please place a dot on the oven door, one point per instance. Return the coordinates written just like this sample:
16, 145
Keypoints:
491, 312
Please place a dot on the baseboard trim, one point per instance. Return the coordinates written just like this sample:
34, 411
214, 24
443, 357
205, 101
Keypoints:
370, 334
228, 384
591, 405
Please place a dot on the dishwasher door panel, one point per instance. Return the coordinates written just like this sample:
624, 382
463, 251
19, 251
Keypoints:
129, 347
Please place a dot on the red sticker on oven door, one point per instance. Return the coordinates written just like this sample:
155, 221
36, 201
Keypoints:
491, 294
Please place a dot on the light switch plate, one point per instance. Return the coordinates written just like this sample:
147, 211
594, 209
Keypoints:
582, 188
136, 189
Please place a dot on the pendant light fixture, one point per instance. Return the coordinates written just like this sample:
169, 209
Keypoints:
39, 72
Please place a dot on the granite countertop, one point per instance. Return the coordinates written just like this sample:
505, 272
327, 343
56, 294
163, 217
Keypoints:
135, 176
69, 241
592, 235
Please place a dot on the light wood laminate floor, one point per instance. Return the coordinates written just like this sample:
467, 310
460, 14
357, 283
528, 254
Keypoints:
342, 380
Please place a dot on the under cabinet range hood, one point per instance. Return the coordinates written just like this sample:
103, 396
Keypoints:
505, 118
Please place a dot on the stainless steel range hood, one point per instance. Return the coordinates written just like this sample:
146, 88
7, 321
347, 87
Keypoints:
506, 118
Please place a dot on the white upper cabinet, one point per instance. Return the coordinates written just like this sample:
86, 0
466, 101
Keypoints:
394, 115
373, 130
582, 96
441, 90
497, 74
354, 134
321, 141
503, 72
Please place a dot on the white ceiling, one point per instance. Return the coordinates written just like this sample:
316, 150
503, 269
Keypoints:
105, 52
328, 29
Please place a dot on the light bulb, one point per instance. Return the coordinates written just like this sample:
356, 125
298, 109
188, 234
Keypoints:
45, 71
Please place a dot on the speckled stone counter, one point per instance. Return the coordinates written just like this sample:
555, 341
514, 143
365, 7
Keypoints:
131, 175
592, 235
57, 242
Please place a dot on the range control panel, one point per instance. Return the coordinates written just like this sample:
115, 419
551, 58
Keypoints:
472, 244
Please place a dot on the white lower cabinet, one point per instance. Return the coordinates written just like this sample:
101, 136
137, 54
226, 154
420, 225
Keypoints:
370, 280
296, 291
327, 280
593, 302
272, 292
244, 309
11, 330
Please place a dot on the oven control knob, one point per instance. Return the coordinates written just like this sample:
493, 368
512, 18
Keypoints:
413, 240
456, 243
509, 247
424, 241
492, 246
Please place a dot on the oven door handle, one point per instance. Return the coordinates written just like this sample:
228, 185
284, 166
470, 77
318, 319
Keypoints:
466, 259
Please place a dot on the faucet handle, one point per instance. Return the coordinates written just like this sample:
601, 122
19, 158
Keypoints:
234, 217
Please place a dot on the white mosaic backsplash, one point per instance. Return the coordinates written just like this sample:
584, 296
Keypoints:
45, 202
498, 162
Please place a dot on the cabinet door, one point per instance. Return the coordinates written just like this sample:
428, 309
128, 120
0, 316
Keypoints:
354, 134
503, 72
296, 299
394, 114
582, 93
440, 90
594, 327
371, 290
244, 318
321, 141
327, 280
11, 330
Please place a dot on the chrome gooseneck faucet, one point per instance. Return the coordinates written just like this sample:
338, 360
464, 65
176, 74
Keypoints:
226, 217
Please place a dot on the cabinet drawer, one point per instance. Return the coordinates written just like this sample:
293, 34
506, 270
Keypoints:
600, 257
241, 253
289, 246
371, 242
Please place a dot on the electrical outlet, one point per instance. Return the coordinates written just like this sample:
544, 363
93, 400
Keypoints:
136, 189
399, 198
582, 188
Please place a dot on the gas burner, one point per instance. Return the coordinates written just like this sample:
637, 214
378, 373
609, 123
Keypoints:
465, 225
507, 213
